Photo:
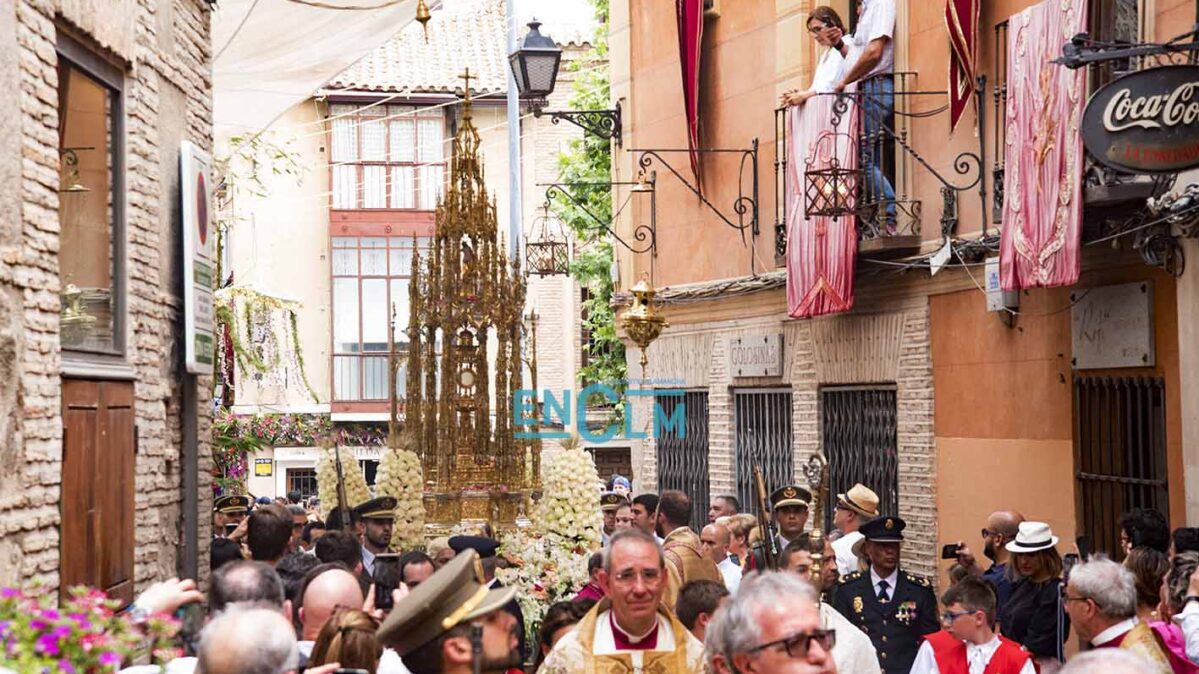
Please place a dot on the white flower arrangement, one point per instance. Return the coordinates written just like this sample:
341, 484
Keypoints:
400, 476
549, 560
326, 480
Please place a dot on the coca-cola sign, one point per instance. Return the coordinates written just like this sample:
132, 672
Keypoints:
1146, 122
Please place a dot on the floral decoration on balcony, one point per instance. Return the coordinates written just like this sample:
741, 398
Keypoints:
84, 635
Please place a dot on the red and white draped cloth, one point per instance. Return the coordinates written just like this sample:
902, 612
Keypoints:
821, 251
1042, 211
690, 16
961, 19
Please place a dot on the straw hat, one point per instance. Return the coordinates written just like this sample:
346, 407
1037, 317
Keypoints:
860, 499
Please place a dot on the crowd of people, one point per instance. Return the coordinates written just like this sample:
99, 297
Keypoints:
288, 593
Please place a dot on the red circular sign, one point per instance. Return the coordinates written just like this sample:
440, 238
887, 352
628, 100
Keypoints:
202, 208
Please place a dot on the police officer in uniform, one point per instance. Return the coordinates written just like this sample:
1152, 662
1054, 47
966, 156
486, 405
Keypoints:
373, 522
227, 510
895, 608
790, 507
610, 502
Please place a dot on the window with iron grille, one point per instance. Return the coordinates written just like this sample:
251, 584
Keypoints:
762, 421
1120, 453
386, 156
683, 456
860, 435
302, 480
1113, 21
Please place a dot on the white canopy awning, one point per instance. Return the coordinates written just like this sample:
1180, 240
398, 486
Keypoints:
270, 55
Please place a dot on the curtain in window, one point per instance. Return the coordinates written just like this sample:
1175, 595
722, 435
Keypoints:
1042, 210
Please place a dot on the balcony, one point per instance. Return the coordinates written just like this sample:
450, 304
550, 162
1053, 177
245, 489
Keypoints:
880, 191
360, 381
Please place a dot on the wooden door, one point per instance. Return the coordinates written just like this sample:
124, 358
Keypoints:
96, 542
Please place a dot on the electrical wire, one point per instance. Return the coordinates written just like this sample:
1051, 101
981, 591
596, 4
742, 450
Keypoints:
237, 30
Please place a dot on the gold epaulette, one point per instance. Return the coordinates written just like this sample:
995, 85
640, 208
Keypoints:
918, 580
854, 575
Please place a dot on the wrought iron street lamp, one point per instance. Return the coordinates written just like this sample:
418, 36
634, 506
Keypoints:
535, 68
549, 253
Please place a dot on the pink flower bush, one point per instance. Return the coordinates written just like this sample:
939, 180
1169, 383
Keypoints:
84, 636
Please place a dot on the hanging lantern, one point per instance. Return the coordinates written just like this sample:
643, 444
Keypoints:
422, 17
642, 321
535, 65
549, 253
830, 188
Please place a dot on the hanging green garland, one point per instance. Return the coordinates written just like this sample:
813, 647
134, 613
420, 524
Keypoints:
258, 313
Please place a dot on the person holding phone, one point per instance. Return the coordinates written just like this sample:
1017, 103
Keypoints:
1001, 529
228, 512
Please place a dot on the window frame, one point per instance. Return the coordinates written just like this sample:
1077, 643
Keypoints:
334, 351
111, 363
358, 120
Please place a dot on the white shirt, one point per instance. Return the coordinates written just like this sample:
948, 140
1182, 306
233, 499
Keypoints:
978, 656
1188, 621
368, 561
847, 562
1114, 631
892, 579
878, 21
731, 573
829, 70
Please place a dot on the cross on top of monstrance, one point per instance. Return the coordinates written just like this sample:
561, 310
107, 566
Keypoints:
466, 77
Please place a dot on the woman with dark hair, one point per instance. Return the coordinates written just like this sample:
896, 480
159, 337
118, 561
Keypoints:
827, 29
560, 618
1149, 567
1033, 615
348, 638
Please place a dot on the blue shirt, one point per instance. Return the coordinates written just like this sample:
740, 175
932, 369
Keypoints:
997, 577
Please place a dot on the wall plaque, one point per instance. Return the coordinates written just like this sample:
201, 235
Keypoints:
1112, 326
756, 356
263, 467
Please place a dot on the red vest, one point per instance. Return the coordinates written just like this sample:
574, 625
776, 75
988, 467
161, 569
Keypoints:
950, 653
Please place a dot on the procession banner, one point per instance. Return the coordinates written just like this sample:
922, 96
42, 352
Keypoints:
1042, 211
821, 251
690, 14
961, 19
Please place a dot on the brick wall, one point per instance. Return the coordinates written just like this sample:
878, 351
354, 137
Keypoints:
855, 349
165, 47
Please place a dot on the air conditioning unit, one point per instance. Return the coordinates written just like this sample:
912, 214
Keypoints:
711, 9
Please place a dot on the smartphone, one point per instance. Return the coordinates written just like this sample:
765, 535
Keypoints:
191, 621
383, 599
950, 550
1084, 546
1068, 562
230, 528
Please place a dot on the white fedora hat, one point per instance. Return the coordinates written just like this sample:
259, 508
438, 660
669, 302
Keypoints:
1033, 536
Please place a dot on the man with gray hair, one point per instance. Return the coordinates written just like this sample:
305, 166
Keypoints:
1101, 599
1107, 661
772, 625
248, 641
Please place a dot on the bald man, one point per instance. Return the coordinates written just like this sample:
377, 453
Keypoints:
715, 540
1001, 529
326, 588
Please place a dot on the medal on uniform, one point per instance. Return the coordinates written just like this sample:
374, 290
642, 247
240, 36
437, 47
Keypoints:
857, 604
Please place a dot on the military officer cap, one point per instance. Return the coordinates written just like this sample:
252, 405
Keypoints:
232, 504
610, 500
879, 530
453, 595
486, 547
381, 508
790, 495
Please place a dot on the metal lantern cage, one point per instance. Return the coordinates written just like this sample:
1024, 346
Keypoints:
830, 188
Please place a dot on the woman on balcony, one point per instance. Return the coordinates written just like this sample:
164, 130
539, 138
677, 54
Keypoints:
822, 164
826, 27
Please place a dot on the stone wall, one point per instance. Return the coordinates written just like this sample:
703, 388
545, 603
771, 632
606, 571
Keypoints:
868, 348
165, 52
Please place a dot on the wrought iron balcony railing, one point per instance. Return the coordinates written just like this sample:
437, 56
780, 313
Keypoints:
882, 191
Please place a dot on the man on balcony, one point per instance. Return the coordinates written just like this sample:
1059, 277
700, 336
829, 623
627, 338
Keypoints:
874, 39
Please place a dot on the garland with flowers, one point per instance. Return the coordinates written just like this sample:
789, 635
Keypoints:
84, 635
400, 476
326, 480
549, 561
249, 324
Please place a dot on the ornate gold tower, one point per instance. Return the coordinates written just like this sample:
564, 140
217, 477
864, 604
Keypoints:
467, 300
